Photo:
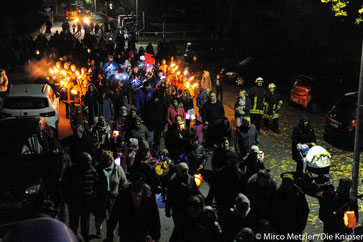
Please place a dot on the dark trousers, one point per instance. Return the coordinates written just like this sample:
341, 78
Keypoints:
76, 212
256, 120
271, 124
219, 92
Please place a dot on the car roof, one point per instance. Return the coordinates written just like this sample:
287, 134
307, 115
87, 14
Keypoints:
20, 126
28, 90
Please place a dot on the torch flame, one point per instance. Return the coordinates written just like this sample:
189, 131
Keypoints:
62, 83
191, 78
74, 92
187, 85
51, 71
77, 73
194, 85
63, 72
37, 52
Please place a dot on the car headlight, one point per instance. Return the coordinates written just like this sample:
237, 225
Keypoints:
32, 190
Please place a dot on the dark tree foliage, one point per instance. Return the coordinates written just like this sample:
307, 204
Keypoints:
19, 17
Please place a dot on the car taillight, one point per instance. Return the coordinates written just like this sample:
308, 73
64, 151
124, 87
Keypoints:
352, 125
49, 114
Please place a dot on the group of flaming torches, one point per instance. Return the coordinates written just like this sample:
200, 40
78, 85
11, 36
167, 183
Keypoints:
180, 79
68, 77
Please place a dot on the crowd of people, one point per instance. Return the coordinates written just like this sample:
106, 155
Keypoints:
131, 107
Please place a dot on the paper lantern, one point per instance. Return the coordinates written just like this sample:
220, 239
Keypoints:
198, 178
350, 220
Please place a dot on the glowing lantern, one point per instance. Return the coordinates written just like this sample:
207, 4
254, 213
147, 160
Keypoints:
118, 161
194, 85
86, 21
77, 19
77, 73
37, 52
161, 168
63, 72
62, 83
350, 220
187, 85
198, 178
115, 133
191, 78
74, 92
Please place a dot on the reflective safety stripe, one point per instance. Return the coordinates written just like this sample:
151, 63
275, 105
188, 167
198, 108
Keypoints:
254, 110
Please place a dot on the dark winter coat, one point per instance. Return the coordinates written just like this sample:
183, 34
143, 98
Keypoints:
290, 211
105, 108
153, 114
141, 97
140, 133
79, 186
273, 103
332, 210
212, 112
244, 139
303, 135
176, 145
225, 186
196, 156
261, 197
202, 99
179, 191
135, 224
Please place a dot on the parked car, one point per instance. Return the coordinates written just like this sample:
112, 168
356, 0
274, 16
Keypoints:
32, 100
271, 69
306, 93
341, 121
23, 147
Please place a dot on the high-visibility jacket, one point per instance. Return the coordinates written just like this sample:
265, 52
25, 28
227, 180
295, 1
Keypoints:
272, 103
257, 96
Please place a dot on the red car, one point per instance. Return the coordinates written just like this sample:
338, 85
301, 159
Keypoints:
302, 93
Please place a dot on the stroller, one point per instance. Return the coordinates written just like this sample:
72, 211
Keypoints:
316, 166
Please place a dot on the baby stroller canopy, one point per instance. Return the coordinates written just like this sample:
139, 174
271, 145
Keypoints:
317, 157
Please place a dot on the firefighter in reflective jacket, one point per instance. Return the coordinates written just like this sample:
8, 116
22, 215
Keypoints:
257, 94
273, 102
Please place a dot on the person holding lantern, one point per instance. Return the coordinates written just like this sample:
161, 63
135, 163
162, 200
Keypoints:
180, 189
334, 205
4, 81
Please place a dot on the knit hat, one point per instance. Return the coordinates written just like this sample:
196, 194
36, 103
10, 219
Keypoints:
133, 142
254, 148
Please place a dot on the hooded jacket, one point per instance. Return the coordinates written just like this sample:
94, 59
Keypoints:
244, 139
302, 134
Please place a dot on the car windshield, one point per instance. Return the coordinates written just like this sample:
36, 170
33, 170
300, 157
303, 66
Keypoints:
25, 103
303, 81
346, 106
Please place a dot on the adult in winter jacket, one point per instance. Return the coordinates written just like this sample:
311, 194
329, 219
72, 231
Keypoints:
242, 106
175, 108
246, 136
202, 98
225, 186
90, 100
290, 209
196, 155
273, 102
333, 205
79, 189
219, 87
206, 81
105, 108
177, 138
180, 189
136, 213
212, 110
303, 133
112, 180
79, 142
139, 131
220, 154
142, 96
238, 216
101, 134
153, 114
261, 190
256, 95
